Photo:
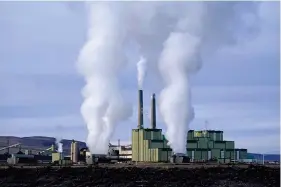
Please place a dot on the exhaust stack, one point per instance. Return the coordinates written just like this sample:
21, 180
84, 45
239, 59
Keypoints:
140, 123
153, 112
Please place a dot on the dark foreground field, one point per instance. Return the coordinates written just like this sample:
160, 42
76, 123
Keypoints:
133, 176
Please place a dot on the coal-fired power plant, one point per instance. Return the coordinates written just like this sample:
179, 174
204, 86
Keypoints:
149, 144
174, 55
140, 110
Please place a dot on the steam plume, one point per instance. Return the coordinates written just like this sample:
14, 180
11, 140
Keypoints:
60, 148
181, 56
188, 30
141, 65
100, 62
178, 57
59, 145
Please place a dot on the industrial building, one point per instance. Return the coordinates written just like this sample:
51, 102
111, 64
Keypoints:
209, 144
58, 157
125, 151
150, 145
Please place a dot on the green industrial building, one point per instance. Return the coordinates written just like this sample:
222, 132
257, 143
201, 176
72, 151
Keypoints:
209, 144
150, 145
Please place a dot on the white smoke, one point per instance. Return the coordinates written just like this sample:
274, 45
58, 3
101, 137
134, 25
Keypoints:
60, 147
100, 62
141, 66
188, 30
177, 61
59, 144
205, 27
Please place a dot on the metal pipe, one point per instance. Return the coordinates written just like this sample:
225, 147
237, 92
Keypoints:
140, 121
153, 112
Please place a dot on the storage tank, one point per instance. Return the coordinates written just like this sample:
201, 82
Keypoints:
74, 151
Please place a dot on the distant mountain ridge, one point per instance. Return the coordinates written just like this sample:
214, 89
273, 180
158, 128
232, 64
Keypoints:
36, 142
267, 157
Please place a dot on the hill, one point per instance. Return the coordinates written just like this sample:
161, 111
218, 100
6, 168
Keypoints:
267, 157
38, 143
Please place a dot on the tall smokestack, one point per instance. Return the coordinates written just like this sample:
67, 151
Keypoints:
140, 125
153, 112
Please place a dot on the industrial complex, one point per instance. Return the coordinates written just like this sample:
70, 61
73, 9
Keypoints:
149, 145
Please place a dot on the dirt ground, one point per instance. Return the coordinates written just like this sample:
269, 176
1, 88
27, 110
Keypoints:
253, 176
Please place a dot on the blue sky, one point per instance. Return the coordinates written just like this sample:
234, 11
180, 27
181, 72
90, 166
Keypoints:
237, 90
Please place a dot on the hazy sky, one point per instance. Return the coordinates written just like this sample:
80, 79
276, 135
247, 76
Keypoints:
236, 91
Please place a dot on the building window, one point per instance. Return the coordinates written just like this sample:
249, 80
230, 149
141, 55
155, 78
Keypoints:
222, 154
209, 155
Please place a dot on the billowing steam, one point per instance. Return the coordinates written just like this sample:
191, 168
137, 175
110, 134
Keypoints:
178, 59
59, 129
60, 148
181, 56
141, 66
100, 62
177, 35
59, 145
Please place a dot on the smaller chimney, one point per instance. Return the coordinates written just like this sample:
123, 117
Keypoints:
153, 112
140, 120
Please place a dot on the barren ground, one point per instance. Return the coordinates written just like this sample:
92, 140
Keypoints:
141, 176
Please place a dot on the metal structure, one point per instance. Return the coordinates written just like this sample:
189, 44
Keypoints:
10, 146
49, 150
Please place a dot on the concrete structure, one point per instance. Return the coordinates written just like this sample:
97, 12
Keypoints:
89, 158
125, 151
153, 112
57, 157
74, 152
149, 145
209, 144
140, 110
